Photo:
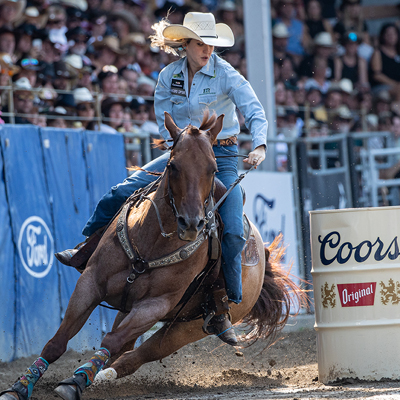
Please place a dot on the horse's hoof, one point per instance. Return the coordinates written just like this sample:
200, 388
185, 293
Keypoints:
9, 396
67, 392
105, 375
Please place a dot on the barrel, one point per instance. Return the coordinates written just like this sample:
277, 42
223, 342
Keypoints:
356, 285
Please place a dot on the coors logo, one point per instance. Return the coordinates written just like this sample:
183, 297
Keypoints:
357, 294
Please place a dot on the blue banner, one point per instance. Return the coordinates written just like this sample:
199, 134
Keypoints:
106, 166
67, 185
7, 274
37, 283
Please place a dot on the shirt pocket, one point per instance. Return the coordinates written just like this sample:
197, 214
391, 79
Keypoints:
176, 100
207, 100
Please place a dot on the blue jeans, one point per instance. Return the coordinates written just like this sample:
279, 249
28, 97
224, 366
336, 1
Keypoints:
231, 212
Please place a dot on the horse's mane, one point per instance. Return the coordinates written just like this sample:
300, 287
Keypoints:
207, 123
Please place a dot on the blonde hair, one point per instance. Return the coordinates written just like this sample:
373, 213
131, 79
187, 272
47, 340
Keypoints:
175, 47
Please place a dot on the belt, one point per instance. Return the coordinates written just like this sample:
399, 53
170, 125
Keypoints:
226, 142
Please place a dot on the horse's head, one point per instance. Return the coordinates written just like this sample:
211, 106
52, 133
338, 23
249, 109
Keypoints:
191, 171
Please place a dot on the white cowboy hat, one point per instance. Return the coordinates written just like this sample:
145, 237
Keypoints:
202, 27
323, 39
83, 95
280, 30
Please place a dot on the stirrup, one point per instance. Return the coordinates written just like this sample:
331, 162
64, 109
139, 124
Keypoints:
221, 326
65, 256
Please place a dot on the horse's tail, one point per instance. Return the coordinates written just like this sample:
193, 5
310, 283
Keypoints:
278, 294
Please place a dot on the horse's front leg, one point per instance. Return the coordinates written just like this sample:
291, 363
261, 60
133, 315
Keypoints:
83, 301
140, 319
163, 343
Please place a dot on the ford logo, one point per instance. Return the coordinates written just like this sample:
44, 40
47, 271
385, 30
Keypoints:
36, 247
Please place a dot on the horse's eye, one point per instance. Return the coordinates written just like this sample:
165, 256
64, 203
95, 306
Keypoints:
173, 167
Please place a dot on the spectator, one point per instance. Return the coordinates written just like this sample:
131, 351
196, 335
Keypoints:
55, 118
7, 41
350, 65
85, 107
131, 74
315, 23
76, 18
62, 76
285, 11
319, 75
141, 115
342, 120
287, 72
108, 80
123, 23
23, 102
323, 49
280, 34
29, 68
98, 26
57, 18
349, 97
54, 45
146, 86
351, 20
33, 18
7, 70
233, 56
77, 38
280, 94
66, 101
314, 100
10, 12
299, 95
112, 109
227, 14
385, 62
24, 42
382, 102
47, 98
107, 51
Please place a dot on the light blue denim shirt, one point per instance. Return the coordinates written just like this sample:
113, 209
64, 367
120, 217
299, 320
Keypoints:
217, 86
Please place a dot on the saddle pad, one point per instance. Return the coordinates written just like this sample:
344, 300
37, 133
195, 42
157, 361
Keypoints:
250, 256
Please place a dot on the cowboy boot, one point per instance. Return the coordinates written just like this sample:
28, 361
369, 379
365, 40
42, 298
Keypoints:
78, 256
218, 321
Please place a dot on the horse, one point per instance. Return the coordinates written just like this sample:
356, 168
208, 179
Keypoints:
147, 296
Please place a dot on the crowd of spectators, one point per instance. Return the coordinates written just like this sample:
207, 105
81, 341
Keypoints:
89, 63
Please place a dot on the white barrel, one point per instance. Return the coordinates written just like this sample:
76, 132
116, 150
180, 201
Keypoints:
356, 281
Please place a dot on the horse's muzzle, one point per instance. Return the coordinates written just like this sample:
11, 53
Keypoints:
189, 228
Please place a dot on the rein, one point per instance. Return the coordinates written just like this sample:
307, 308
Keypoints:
138, 264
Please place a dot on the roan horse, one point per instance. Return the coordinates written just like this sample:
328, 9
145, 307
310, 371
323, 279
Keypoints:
178, 206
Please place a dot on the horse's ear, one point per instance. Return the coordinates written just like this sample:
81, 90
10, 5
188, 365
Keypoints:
171, 127
217, 128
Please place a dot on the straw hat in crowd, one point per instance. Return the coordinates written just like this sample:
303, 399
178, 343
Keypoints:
111, 42
20, 7
32, 16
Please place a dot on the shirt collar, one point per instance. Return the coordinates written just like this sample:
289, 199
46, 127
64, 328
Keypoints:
208, 69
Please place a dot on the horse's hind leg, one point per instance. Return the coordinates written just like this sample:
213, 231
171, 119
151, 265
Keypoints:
83, 301
160, 345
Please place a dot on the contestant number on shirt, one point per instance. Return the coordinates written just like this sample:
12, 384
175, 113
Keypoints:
177, 87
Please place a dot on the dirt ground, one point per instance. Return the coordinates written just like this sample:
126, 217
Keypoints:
209, 369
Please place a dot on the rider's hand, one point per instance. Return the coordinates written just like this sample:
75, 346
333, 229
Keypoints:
257, 156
